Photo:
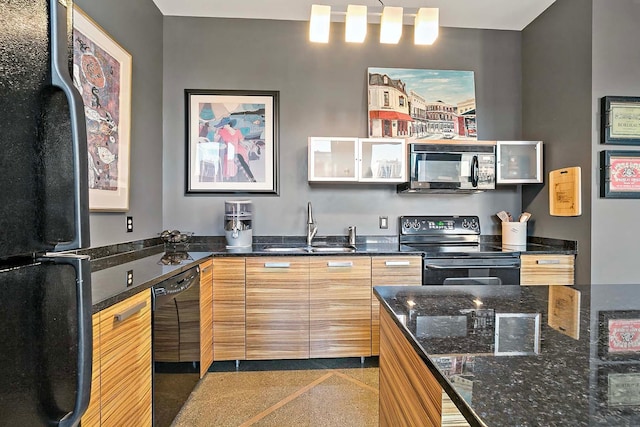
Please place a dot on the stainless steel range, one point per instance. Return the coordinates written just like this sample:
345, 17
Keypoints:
453, 253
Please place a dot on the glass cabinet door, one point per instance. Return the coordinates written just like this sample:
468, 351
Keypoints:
382, 160
519, 162
333, 159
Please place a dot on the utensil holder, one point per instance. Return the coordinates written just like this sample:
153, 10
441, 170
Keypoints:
514, 234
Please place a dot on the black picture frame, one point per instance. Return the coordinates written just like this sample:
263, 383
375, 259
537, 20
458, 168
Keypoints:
618, 389
619, 335
620, 120
620, 174
232, 141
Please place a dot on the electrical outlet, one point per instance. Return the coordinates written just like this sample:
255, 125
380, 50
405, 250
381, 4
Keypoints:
129, 278
383, 222
129, 224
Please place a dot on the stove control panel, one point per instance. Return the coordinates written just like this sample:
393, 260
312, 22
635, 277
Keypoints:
439, 225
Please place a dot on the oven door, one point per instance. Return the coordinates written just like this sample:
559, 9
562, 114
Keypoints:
471, 271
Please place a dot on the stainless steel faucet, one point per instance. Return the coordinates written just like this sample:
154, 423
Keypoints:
312, 228
352, 236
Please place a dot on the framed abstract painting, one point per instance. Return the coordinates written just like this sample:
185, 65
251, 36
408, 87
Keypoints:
102, 75
231, 141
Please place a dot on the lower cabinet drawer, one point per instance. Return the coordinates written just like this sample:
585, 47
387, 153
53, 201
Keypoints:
547, 269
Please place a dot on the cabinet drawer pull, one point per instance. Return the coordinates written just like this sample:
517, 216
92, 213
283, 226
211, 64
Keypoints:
548, 261
121, 317
397, 263
277, 264
339, 264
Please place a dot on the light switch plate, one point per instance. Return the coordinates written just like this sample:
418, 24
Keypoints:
383, 222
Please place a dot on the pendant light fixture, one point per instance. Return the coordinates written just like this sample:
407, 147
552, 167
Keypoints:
356, 24
426, 24
391, 25
319, 23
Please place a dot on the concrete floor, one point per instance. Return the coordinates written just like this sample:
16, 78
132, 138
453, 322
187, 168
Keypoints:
317, 392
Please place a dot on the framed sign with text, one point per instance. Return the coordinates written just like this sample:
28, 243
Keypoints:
619, 335
620, 122
618, 389
620, 174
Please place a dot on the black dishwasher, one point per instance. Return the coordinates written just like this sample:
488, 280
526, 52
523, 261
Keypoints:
171, 380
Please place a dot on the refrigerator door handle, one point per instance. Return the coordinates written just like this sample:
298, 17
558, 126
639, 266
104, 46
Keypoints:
60, 78
85, 332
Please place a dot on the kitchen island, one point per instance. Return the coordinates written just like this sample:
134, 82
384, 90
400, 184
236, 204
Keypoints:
511, 355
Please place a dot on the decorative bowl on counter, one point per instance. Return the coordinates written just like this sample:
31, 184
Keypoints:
175, 236
174, 258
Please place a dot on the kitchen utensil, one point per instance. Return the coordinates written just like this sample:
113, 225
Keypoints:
564, 192
504, 217
524, 217
509, 216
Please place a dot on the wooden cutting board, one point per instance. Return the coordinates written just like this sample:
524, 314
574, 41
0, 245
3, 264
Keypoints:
564, 310
564, 192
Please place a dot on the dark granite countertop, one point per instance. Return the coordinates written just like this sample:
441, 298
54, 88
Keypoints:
109, 284
528, 355
151, 262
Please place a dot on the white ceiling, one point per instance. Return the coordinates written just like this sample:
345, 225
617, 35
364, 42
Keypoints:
486, 14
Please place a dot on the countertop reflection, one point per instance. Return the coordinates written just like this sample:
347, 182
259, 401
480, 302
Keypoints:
528, 355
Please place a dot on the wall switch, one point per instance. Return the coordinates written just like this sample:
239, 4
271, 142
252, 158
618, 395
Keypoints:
383, 222
129, 224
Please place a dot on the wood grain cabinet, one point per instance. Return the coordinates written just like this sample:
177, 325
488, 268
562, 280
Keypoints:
391, 271
409, 393
92, 416
206, 316
547, 269
125, 362
340, 301
277, 308
228, 309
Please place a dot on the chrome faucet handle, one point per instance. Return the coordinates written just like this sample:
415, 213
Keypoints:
352, 235
309, 214
312, 228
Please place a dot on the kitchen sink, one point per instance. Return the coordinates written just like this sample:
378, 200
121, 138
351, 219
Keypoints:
313, 249
333, 249
285, 249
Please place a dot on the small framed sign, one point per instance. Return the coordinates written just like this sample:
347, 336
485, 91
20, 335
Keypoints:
620, 122
620, 174
619, 335
618, 388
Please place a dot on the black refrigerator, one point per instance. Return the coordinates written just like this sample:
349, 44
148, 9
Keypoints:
45, 288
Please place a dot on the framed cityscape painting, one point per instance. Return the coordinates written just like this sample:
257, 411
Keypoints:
102, 75
421, 104
232, 141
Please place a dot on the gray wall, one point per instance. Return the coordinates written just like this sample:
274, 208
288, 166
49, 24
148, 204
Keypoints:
556, 108
323, 92
616, 70
137, 27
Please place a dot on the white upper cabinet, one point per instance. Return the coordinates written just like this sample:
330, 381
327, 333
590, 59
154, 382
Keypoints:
370, 160
519, 162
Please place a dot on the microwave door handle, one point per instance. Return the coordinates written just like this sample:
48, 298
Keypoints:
60, 78
474, 171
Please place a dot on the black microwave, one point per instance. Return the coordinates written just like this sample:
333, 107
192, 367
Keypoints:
444, 168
